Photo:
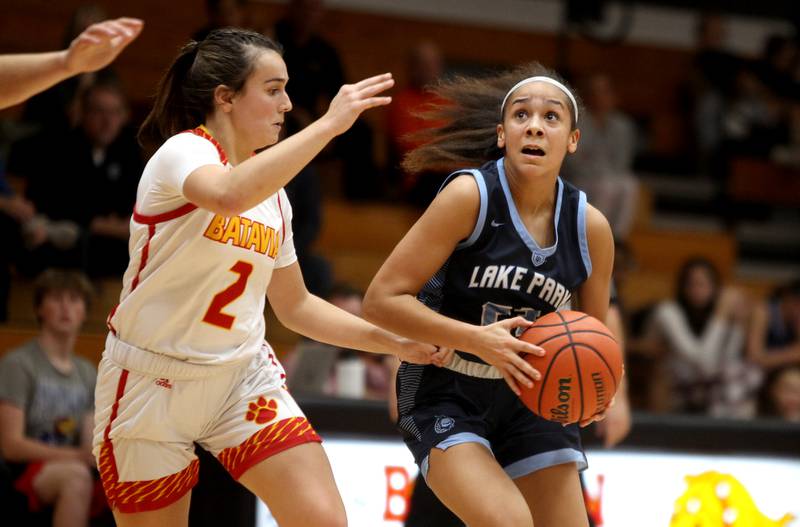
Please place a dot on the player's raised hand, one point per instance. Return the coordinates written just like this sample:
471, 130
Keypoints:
496, 345
353, 99
99, 44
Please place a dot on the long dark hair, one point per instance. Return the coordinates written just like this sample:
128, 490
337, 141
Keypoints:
697, 316
470, 109
185, 95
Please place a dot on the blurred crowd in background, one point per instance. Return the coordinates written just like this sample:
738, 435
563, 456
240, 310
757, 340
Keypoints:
69, 168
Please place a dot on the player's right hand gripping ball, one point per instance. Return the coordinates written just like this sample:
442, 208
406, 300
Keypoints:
581, 369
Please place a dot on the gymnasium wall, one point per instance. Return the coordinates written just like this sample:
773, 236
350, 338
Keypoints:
370, 43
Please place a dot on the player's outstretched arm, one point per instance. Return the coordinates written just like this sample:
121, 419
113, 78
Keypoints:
309, 315
231, 192
24, 75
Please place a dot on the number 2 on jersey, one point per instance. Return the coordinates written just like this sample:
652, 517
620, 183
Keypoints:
214, 314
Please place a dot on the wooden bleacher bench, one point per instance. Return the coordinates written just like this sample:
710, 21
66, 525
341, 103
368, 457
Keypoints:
373, 227
664, 251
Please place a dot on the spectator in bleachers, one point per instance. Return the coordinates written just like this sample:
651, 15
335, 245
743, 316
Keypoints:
774, 337
789, 153
425, 67
776, 67
56, 110
714, 73
83, 189
46, 405
781, 394
702, 335
305, 195
316, 74
603, 165
15, 211
221, 13
757, 118
313, 64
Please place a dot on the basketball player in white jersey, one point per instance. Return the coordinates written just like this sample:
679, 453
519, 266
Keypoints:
185, 359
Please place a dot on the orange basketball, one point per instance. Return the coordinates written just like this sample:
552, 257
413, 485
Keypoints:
581, 368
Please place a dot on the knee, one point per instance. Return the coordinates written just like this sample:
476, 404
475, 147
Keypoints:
63, 478
75, 477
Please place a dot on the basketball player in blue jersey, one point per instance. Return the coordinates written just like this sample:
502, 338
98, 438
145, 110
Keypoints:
499, 246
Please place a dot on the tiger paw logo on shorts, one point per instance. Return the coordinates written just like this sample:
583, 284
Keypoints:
719, 500
262, 411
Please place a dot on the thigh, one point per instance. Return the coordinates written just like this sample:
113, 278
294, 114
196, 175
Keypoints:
468, 480
175, 515
145, 458
554, 496
524, 443
259, 419
439, 408
298, 487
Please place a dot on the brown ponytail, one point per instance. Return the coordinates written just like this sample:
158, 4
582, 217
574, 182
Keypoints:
185, 95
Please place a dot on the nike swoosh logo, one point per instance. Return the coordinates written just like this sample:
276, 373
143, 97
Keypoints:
495, 224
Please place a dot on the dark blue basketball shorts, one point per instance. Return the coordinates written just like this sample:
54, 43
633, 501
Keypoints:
440, 408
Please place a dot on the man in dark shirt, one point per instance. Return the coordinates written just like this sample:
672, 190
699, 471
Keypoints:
83, 186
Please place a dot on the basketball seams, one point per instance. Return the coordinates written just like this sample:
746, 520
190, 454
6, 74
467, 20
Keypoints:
572, 331
575, 357
600, 355
543, 382
564, 321
551, 337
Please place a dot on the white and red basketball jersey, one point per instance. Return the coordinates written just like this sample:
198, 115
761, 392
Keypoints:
196, 283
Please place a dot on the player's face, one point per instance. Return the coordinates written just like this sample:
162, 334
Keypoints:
536, 131
258, 109
62, 312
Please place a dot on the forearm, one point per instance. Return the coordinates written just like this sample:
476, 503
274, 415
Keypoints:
261, 176
317, 319
29, 73
772, 358
24, 449
405, 315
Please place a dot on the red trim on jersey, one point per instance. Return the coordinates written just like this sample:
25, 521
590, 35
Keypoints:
200, 131
283, 222
106, 465
139, 496
164, 216
110, 326
151, 231
267, 442
203, 132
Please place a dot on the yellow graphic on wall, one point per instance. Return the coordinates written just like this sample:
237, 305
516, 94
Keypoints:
719, 500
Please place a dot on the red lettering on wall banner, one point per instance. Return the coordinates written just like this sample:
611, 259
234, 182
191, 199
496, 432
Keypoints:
398, 493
